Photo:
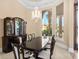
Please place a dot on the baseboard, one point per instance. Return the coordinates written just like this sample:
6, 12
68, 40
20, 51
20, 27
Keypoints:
0, 49
71, 50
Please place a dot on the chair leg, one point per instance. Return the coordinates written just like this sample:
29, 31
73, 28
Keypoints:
22, 53
50, 56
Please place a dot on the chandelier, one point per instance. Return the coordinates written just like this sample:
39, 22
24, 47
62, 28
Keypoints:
36, 13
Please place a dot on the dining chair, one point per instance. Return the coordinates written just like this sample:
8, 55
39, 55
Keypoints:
18, 48
27, 51
29, 37
52, 46
16, 42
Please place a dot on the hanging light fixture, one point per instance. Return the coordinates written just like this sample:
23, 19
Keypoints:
36, 13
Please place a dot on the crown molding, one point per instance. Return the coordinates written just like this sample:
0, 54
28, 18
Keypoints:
41, 4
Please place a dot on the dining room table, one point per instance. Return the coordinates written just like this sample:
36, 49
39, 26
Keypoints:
36, 45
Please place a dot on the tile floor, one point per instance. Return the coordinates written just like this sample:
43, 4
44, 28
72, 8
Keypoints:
59, 53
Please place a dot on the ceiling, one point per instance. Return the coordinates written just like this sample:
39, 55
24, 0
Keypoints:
31, 4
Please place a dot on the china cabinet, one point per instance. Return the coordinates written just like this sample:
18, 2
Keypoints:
13, 27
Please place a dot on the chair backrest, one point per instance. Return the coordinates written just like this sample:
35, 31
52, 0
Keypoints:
16, 50
29, 37
52, 45
33, 35
17, 45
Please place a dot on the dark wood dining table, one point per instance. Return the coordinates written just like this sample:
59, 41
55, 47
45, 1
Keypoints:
36, 45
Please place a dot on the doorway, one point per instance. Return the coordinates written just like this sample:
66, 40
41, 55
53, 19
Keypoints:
60, 21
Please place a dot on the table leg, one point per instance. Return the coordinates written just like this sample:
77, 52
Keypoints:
36, 55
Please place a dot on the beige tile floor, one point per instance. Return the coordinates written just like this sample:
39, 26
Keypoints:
59, 53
